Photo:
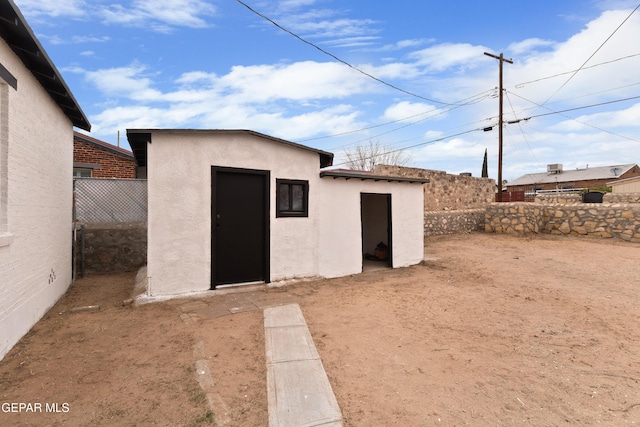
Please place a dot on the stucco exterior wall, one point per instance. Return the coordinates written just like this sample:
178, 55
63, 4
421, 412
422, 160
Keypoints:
327, 243
179, 185
35, 242
340, 250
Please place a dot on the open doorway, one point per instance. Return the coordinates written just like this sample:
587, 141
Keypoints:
375, 213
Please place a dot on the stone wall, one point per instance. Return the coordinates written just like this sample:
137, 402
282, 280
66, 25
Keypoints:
621, 198
452, 203
451, 222
447, 192
619, 220
563, 199
112, 247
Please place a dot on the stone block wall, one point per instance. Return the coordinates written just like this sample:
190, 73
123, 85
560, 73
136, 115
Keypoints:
445, 191
452, 203
112, 247
619, 220
563, 199
451, 222
621, 198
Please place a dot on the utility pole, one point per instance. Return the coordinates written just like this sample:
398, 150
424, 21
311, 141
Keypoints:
502, 60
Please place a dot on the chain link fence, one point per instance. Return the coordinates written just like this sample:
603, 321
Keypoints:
110, 200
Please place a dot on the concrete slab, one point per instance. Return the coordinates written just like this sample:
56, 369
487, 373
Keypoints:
203, 375
272, 300
298, 389
289, 343
284, 315
299, 394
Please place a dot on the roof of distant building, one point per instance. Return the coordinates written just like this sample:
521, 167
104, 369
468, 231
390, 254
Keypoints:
102, 144
587, 174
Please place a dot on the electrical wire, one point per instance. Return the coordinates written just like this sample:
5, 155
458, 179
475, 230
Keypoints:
551, 112
341, 60
472, 100
520, 127
592, 55
521, 85
416, 145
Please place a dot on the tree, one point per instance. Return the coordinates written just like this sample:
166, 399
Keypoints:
366, 156
485, 166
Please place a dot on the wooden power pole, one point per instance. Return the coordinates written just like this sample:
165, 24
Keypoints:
502, 60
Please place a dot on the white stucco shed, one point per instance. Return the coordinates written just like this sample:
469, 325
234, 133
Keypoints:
228, 207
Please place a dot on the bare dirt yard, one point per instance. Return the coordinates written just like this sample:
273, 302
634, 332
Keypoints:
490, 330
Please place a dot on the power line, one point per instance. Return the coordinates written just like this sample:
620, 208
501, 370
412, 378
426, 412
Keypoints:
341, 60
471, 100
520, 85
574, 109
418, 145
435, 111
592, 55
520, 127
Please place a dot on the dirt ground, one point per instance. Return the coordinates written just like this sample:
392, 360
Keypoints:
491, 330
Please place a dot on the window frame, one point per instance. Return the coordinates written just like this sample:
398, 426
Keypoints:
81, 171
290, 213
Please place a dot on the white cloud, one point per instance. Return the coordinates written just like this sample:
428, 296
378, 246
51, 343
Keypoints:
124, 82
39, 8
258, 97
298, 81
528, 45
406, 109
160, 15
440, 57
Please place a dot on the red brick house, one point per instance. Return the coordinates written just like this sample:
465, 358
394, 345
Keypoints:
93, 158
558, 179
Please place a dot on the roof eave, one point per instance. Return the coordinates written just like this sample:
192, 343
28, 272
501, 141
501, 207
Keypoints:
17, 33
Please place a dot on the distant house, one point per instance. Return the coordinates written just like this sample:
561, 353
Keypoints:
629, 185
229, 207
93, 158
556, 178
37, 116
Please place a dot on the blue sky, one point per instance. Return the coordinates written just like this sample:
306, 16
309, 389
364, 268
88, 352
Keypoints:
214, 64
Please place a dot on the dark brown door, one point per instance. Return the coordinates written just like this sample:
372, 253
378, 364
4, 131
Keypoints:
240, 226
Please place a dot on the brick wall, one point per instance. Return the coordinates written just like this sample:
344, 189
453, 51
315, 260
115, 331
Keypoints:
112, 165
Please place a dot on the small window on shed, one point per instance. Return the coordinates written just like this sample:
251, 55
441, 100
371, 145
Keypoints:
292, 198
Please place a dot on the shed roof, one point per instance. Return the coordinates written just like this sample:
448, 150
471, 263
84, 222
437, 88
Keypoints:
138, 139
366, 175
20, 38
587, 174
110, 147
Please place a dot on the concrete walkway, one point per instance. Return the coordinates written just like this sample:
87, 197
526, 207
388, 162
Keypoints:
298, 390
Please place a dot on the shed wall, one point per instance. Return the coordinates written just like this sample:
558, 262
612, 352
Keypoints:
179, 185
340, 252
327, 243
